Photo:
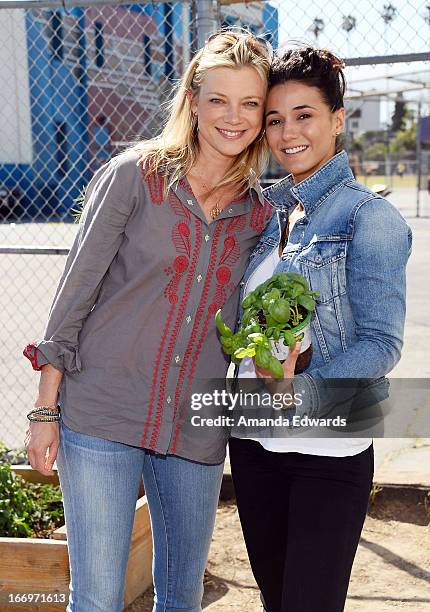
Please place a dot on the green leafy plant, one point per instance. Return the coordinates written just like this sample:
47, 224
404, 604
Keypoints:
27, 509
80, 201
13, 456
271, 312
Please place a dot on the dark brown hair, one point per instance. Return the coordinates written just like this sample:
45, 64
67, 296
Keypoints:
316, 67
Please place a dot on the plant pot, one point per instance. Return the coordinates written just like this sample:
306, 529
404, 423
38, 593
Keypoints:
37, 565
280, 350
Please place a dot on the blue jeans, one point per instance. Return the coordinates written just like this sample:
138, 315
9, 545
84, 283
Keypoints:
100, 481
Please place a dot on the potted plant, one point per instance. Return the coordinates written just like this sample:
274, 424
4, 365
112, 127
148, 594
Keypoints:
276, 315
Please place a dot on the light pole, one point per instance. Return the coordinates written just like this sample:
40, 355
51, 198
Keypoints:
388, 14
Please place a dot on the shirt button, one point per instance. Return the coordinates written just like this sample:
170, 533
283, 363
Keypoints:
177, 359
190, 202
318, 258
230, 210
242, 283
261, 249
199, 278
207, 237
169, 399
188, 319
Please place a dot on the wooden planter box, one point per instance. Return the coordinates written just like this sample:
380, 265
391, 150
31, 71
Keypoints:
33, 565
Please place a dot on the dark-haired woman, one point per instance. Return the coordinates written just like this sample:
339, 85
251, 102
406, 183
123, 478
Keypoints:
302, 501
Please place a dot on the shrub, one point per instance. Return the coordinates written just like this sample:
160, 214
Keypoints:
27, 509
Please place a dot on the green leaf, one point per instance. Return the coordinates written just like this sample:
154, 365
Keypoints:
289, 339
307, 302
275, 367
257, 338
80, 201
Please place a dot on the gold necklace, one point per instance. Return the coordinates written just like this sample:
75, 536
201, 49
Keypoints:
215, 211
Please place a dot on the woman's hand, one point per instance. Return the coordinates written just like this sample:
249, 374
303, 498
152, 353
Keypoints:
42, 441
288, 365
282, 385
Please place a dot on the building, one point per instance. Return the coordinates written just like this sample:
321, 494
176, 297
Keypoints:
16, 152
363, 115
134, 54
79, 85
260, 17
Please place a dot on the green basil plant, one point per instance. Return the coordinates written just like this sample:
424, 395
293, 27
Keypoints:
270, 312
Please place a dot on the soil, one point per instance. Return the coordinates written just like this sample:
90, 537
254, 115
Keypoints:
391, 570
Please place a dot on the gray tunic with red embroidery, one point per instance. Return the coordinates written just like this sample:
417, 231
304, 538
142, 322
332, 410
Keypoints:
132, 322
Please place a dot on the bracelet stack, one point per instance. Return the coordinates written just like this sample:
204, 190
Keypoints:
44, 414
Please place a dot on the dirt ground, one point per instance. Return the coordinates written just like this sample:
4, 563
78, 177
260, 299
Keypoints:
391, 570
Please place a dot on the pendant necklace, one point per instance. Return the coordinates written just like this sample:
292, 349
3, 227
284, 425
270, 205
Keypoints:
215, 211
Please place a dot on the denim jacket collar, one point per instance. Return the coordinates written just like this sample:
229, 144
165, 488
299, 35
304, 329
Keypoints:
312, 191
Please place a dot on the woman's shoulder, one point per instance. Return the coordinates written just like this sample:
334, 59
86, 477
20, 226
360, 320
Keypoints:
365, 201
128, 161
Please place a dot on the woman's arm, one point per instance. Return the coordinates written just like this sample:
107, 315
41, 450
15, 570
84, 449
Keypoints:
376, 282
110, 198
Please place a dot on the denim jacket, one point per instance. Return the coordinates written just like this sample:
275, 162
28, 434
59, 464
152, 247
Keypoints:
352, 246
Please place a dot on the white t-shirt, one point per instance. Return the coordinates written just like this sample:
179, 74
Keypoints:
299, 443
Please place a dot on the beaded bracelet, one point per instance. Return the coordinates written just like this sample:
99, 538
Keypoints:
43, 409
48, 413
45, 420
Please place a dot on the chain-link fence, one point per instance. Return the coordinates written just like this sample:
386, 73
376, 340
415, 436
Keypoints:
82, 80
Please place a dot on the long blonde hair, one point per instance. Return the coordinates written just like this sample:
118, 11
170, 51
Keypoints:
175, 150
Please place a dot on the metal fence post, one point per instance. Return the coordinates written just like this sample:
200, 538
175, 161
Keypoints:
207, 22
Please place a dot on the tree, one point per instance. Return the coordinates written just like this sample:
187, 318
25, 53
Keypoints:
349, 23
317, 27
389, 13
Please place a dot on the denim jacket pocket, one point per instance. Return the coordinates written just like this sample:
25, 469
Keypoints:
323, 264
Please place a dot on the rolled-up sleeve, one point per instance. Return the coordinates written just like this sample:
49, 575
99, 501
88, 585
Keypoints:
109, 201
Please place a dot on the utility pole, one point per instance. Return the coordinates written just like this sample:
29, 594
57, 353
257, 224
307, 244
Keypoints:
207, 22
418, 151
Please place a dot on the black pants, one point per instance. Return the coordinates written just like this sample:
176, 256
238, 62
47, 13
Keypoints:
301, 517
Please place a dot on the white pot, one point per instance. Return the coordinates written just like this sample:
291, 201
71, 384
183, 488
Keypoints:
280, 350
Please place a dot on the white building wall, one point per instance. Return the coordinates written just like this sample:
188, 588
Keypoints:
369, 111
15, 120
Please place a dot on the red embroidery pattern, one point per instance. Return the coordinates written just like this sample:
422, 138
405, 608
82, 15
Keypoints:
237, 224
155, 184
178, 268
181, 240
174, 337
260, 214
185, 185
200, 311
178, 208
209, 317
229, 256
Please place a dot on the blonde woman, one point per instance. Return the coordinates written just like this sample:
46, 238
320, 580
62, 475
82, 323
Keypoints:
163, 242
